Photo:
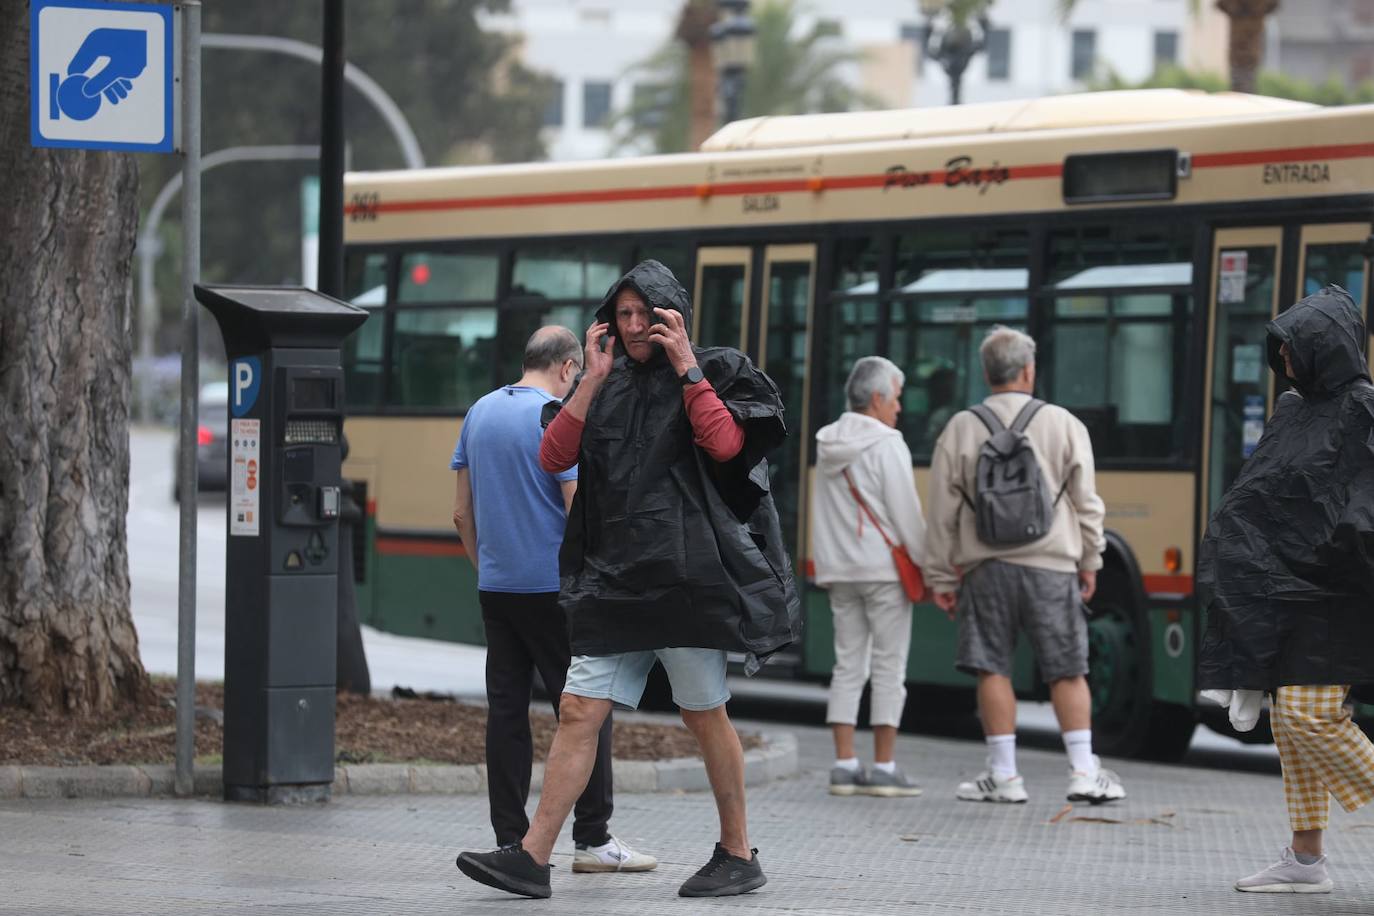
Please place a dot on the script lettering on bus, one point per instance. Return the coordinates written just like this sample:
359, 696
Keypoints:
364, 207
960, 171
1292, 173
761, 203
898, 176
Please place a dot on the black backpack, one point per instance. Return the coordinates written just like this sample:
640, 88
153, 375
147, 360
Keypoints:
1011, 502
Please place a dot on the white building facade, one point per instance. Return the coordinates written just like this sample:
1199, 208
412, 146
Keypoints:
592, 48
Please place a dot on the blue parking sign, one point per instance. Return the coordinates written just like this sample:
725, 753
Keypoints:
101, 75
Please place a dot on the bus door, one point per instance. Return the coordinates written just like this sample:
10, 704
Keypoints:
787, 301
1335, 253
1244, 297
721, 316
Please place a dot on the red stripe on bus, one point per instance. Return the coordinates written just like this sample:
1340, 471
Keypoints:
1291, 154
372, 507
1168, 585
837, 182
411, 547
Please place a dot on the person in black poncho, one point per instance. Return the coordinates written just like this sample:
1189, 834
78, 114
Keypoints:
1286, 577
673, 553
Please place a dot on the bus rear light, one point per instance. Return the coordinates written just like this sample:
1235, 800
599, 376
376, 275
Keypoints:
203, 435
1173, 559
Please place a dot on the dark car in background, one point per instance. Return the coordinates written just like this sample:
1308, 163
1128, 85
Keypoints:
212, 432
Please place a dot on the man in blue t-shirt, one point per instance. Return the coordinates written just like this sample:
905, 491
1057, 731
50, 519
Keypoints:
511, 514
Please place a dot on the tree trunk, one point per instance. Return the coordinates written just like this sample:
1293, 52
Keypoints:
67, 639
1246, 43
694, 31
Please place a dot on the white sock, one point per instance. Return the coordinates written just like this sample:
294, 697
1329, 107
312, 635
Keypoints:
849, 763
888, 767
1002, 755
1079, 744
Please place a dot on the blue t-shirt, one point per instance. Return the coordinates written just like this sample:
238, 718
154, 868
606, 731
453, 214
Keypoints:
517, 505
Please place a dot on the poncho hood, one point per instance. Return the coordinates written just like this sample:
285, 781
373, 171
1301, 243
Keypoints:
843, 442
1326, 338
658, 288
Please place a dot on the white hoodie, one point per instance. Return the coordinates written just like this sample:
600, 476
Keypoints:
845, 546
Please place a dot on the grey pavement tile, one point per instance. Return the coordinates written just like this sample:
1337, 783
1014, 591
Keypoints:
1174, 846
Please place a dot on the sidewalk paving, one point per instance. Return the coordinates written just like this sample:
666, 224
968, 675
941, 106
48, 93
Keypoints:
1176, 845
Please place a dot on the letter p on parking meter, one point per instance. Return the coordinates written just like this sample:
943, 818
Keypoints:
282, 564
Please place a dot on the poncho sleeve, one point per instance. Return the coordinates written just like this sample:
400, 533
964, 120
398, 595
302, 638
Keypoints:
1352, 540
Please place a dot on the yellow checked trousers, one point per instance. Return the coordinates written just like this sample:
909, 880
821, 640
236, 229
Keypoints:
1323, 753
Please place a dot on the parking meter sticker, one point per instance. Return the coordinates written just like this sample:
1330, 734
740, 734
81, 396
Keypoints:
245, 378
244, 494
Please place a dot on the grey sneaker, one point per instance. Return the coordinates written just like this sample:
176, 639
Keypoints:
890, 785
847, 782
1288, 876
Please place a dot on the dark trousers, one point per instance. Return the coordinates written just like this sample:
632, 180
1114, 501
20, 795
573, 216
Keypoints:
526, 633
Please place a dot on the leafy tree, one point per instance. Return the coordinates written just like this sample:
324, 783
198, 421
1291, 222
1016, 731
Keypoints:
791, 74
67, 640
462, 90
1245, 44
1278, 85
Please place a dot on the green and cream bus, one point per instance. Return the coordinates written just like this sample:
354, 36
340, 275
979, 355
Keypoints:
1143, 238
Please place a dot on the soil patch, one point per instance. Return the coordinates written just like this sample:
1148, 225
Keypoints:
367, 730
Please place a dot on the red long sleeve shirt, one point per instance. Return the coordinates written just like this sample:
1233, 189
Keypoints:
713, 428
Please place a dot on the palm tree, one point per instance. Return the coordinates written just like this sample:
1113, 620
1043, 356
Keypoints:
790, 75
1245, 49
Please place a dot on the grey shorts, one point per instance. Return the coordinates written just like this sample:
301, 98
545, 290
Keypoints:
996, 600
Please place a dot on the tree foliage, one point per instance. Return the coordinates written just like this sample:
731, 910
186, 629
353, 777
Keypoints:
1270, 83
795, 71
461, 89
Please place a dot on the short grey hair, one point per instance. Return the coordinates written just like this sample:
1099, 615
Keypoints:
1005, 352
871, 375
549, 347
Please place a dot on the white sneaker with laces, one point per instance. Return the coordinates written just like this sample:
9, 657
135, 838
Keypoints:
1095, 788
1288, 876
989, 787
612, 855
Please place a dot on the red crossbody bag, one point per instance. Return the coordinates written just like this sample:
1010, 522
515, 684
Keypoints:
913, 583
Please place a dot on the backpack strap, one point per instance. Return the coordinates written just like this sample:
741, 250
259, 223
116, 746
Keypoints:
990, 419
1023, 419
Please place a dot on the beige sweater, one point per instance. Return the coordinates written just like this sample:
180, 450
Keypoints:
1060, 442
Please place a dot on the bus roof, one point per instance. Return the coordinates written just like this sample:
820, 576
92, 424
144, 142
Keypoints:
1087, 109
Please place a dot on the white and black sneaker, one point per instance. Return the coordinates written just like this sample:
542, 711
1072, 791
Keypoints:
1095, 788
989, 787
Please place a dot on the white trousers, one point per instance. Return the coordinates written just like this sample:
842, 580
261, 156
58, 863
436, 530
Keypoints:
872, 635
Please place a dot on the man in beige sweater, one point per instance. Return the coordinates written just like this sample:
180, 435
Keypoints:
1039, 588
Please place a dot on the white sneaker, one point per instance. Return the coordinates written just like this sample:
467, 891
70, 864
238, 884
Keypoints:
1095, 788
1288, 876
611, 856
989, 787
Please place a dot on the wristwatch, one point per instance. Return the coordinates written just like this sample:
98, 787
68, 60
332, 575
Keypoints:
691, 376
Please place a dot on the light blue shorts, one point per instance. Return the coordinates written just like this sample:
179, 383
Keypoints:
696, 675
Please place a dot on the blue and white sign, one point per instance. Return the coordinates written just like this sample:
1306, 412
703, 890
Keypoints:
245, 378
101, 75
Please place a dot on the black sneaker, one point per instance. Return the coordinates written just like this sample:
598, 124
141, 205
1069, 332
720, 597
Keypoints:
509, 869
725, 875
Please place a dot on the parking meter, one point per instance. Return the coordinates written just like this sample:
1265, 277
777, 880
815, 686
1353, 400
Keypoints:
286, 402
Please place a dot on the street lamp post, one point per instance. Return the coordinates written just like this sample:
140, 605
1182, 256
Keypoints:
732, 40
954, 44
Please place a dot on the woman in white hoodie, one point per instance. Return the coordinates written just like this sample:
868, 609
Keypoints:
863, 452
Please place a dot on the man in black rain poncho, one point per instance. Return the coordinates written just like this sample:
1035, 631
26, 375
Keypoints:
673, 552
1286, 576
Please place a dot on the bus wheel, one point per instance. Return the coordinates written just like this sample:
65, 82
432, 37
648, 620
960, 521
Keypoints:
1127, 721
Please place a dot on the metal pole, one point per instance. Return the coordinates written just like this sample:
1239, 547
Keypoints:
190, 395
330, 279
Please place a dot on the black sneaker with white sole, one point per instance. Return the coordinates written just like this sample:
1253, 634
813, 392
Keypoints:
508, 869
725, 876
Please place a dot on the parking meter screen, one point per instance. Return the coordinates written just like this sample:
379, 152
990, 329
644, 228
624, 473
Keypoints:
312, 394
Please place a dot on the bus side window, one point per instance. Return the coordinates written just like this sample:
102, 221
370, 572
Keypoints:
364, 350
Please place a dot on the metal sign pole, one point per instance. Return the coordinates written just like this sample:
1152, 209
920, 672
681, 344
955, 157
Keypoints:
190, 395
